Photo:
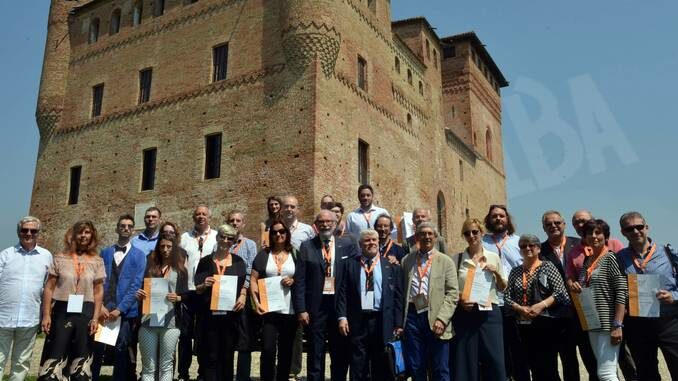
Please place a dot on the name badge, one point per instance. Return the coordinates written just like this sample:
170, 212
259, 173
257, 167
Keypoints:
367, 301
420, 303
75, 303
219, 313
328, 287
484, 308
524, 322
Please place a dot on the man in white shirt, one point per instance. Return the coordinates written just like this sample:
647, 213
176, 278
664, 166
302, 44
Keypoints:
365, 216
23, 270
300, 231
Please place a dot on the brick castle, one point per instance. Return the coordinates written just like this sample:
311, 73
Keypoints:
179, 102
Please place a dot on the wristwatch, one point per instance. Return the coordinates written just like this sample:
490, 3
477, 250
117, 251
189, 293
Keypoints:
617, 324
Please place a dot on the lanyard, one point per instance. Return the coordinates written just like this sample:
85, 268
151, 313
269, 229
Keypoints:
367, 217
79, 269
561, 248
201, 239
641, 266
327, 254
501, 244
588, 251
422, 272
221, 265
388, 248
165, 271
368, 272
529, 271
280, 262
237, 247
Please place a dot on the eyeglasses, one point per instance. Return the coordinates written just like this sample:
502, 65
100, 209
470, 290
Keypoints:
631, 228
580, 221
226, 237
125, 226
469, 233
32, 231
279, 232
524, 246
553, 223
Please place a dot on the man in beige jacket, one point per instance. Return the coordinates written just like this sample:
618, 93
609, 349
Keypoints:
431, 293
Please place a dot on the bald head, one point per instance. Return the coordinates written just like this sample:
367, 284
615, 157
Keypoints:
289, 209
579, 219
325, 223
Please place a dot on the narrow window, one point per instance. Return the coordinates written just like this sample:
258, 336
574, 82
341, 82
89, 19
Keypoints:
428, 50
475, 139
435, 58
137, 13
468, 213
213, 156
74, 185
219, 62
449, 51
409, 76
461, 170
409, 120
97, 99
158, 8
148, 169
114, 28
421, 88
442, 215
362, 73
145, 79
93, 31
488, 144
397, 65
454, 113
363, 162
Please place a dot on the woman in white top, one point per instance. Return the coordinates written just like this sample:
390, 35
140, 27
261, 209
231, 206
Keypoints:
478, 323
279, 325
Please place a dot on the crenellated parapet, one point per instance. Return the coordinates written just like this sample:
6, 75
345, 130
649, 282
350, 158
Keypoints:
308, 34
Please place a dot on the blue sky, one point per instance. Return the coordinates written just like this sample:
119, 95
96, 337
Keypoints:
588, 118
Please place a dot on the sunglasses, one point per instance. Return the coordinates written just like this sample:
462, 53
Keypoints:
632, 228
470, 233
26, 231
226, 237
553, 223
580, 221
530, 245
279, 232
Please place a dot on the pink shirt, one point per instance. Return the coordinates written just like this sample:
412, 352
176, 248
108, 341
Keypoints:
575, 258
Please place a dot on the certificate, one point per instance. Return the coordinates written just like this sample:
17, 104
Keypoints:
224, 292
643, 300
272, 294
156, 304
586, 309
108, 333
477, 286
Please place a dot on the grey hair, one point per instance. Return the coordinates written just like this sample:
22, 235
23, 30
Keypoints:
328, 212
429, 225
368, 233
628, 215
227, 230
550, 213
26, 220
530, 239
209, 211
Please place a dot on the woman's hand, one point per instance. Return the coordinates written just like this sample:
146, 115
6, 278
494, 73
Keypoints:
393, 260
287, 281
536, 309
141, 295
93, 325
46, 323
240, 303
172, 297
524, 312
616, 336
209, 281
574, 286
260, 309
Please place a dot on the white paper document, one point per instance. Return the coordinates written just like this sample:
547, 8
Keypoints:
275, 294
108, 333
586, 309
643, 290
75, 303
160, 306
224, 293
480, 289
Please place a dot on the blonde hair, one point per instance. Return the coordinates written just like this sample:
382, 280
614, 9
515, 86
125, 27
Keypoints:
470, 222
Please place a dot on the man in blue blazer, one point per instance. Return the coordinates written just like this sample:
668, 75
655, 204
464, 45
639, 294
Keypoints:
370, 308
318, 274
125, 266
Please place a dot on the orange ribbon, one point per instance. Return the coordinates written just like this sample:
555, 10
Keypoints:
529, 271
641, 266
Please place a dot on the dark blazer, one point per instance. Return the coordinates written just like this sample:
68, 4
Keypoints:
547, 254
348, 299
130, 279
309, 277
396, 250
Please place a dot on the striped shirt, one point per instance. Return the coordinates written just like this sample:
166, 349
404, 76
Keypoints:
609, 287
419, 285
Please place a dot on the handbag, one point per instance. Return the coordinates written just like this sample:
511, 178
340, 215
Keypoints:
396, 360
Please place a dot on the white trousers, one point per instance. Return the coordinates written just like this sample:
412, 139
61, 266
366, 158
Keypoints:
22, 350
607, 355
157, 345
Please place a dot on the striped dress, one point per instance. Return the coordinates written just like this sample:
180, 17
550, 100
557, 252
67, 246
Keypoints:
609, 287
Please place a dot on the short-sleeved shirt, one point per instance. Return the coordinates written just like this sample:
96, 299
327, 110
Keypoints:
63, 268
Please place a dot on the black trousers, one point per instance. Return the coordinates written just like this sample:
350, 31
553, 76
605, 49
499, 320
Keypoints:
565, 334
367, 348
278, 331
477, 348
67, 352
541, 348
644, 336
186, 336
515, 358
324, 325
219, 335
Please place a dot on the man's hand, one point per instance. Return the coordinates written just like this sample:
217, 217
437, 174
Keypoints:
113, 314
438, 328
343, 327
141, 295
467, 306
103, 315
393, 260
303, 319
664, 297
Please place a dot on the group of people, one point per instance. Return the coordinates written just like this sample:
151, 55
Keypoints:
348, 286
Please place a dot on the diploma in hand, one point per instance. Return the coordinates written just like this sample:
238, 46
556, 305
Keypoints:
586, 309
224, 291
156, 304
643, 300
477, 287
272, 294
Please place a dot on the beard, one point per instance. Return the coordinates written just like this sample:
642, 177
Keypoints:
325, 235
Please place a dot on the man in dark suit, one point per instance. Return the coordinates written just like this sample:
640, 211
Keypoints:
370, 308
125, 265
555, 250
318, 273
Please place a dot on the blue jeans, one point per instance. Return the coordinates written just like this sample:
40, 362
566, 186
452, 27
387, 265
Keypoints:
421, 345
122, 355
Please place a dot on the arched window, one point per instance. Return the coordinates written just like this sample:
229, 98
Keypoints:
397, 65
115, 22
137, 13
442, 215
488, 144
93, 31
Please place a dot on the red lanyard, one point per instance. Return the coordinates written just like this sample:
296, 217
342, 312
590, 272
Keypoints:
501, 244
422, 272
279, 263
79, 269
641, 266
221, 265
588, 251
388, 248
529, 271
369, 270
